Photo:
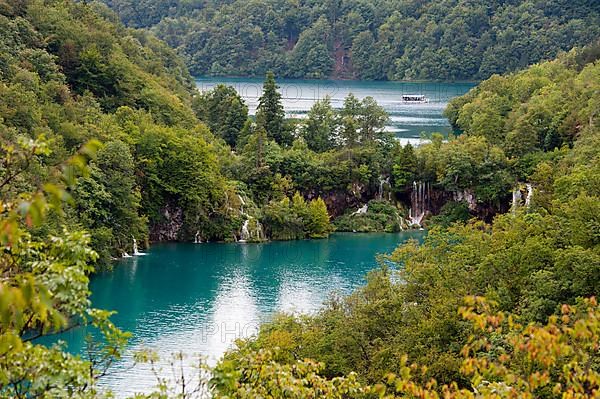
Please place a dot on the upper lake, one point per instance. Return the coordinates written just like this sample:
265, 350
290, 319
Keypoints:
407, 121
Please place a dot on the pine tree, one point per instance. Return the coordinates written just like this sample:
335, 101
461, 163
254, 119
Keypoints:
270, 114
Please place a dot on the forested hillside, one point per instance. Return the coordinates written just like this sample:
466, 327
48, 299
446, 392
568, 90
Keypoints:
383, 39
70, 74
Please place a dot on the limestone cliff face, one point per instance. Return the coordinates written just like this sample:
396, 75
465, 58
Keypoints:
339, 202
169, 227
172, 227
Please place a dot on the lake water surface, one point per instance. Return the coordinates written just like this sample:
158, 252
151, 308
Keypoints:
198, 298
408, 121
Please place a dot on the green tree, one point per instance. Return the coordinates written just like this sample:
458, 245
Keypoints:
311, 56
320, 127
373, 119
44, 289
362, 55
109, 198
404, 170
318, 219
270, 114
350, 124
224, 111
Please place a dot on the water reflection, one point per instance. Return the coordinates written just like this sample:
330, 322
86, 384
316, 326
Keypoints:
199, 298
235, 315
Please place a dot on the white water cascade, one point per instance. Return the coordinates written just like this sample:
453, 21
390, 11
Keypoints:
517, 197
245, 233
197, 238
529, 195
252, 232
242, 203
362, 210
419, 201
135, 249
382, 181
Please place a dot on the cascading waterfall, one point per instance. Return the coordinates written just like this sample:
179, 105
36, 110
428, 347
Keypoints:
419, 201
362, 210
401, 223
516, 199
529, 195
382, 181
135, 248
245, 233
242, 203
251, 234
197, 238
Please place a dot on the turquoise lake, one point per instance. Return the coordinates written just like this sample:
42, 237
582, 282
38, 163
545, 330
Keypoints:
407, 121
198, 298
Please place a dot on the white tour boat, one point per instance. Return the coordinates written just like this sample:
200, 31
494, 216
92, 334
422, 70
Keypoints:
414, 99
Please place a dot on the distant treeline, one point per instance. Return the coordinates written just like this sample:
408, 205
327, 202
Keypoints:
364, 39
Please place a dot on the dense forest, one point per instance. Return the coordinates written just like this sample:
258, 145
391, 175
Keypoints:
363, 39
104, 141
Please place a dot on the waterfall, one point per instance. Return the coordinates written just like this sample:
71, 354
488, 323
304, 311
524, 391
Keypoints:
529, 195
135, 248
251, 233
516, 199
242, 203
245, 233
197, 238
362, 210
419, 201
401, 223
382, 181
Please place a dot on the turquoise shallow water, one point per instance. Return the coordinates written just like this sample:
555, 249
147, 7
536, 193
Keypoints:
407, 121
198, 298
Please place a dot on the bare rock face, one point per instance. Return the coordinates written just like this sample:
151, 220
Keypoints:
338, 202
468, 197
170, 225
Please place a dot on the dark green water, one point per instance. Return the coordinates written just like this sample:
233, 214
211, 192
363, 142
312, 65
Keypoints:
407, 121
199, 297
